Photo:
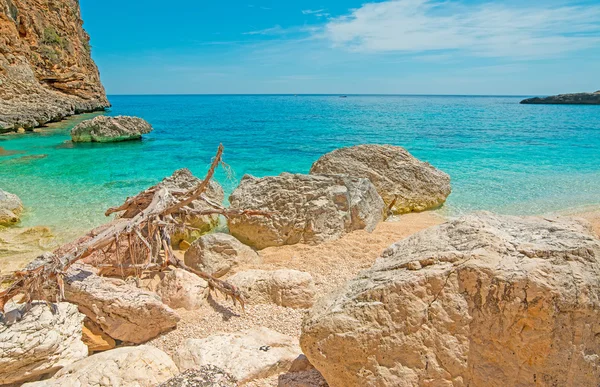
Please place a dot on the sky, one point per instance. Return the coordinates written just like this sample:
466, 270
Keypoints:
459, 47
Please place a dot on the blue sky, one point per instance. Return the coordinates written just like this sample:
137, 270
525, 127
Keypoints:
331, 46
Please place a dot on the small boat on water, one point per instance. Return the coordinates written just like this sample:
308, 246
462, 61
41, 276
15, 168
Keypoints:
343, 96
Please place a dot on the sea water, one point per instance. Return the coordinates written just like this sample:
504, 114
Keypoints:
501, 156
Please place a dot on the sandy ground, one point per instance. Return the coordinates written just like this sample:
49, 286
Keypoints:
331, 264
592, 216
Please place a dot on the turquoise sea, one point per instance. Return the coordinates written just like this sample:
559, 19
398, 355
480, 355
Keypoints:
501, 156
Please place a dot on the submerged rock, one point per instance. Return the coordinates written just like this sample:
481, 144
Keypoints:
482, 298
142, 366
246, 355
10, 208
19, 246
566, 99
285, 287
405, 183
218, 253
39, 341
110, 129
303, 209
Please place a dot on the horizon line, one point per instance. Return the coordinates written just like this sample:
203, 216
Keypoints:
325, 94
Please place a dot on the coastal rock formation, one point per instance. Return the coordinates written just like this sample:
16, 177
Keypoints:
46, 71
122, 310
39, 342
303, 209
183, 180
482, 299
205, 376
218, 253
181, 289
141, 366
566, 99
10, 208
291, 288
405, 183
110, 129
247, 355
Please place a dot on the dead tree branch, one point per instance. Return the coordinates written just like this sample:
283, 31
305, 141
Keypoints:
147, 236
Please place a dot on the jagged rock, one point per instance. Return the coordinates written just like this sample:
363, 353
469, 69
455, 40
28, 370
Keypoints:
405, 183
303, 209
218, 253
39, 341
205, 376
142, 366
10, 208
181, 289
46, 71
247, 355
291, 288
110, 129
122, 310
482, 299
182, 179
567, 99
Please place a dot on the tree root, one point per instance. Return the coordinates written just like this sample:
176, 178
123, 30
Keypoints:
148, 246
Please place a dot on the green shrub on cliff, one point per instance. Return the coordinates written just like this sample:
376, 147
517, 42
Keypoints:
51, 37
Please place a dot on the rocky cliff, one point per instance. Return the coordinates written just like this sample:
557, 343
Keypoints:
46, 71
566, 99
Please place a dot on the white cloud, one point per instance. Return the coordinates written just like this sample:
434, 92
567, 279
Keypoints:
267, 31
488, 29
312, 11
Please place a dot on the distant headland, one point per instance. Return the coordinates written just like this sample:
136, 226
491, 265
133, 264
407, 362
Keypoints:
567, 99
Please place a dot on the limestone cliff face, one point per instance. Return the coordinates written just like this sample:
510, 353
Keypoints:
46, 71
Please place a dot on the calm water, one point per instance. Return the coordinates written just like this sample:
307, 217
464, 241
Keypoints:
501, 156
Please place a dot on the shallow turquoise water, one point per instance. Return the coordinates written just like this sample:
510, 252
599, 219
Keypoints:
501, 156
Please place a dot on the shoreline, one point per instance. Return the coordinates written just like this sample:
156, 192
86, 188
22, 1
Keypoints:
20, 245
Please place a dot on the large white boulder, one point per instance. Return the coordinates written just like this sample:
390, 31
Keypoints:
218, 253
484, 300
181, 289
303, 209
141, 366
247, 355
285, 287
39, 341
122, 310
404, 182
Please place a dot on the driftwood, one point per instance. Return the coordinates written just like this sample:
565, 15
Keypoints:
146, 236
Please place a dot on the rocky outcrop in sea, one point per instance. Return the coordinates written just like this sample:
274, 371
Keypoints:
566, 99
110, 129
46, 70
